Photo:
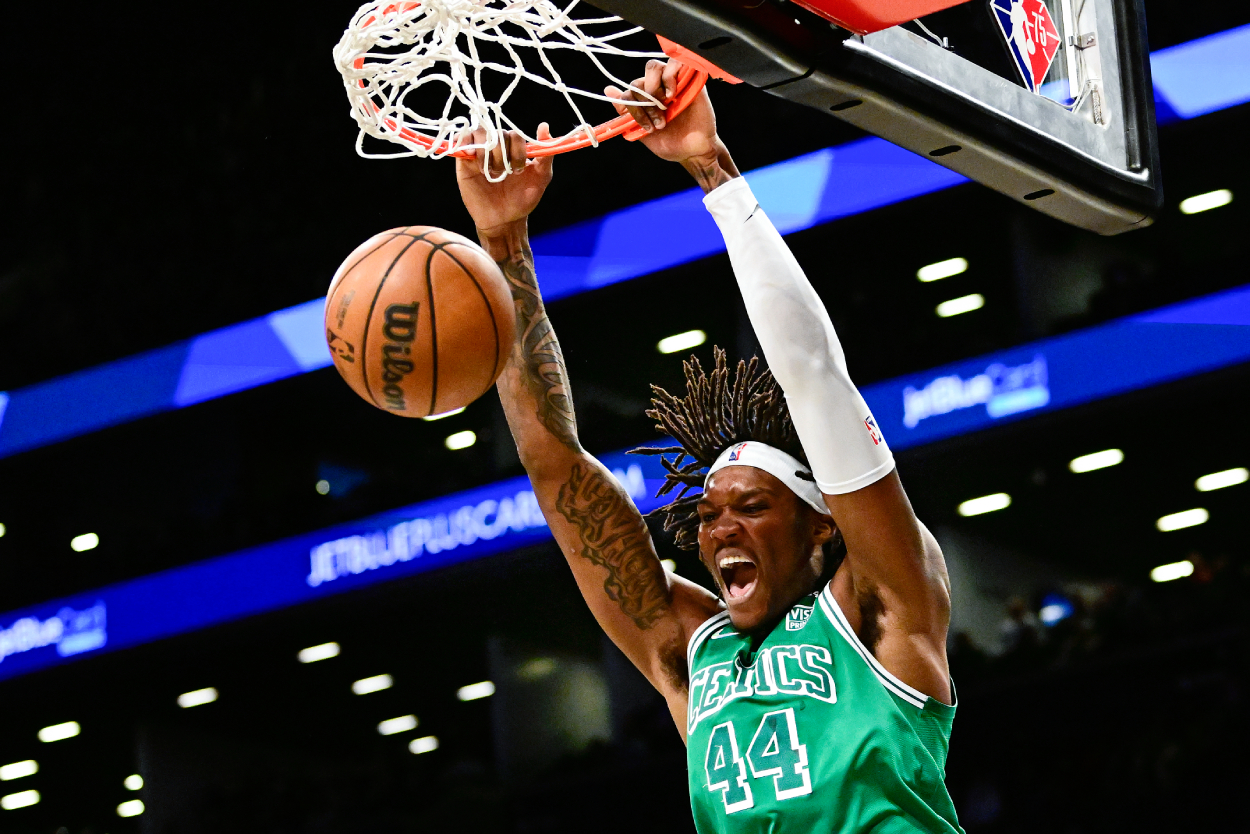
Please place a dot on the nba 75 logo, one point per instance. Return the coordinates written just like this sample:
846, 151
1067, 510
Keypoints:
1032, 38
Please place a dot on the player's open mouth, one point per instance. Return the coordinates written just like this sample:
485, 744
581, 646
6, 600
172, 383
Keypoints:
737, 575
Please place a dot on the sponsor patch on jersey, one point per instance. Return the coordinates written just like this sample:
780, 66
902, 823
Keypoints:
797, 617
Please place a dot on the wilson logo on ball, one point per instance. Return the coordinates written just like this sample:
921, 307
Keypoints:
400, 329
419, 321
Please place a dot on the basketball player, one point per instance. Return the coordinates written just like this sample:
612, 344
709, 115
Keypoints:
813, 691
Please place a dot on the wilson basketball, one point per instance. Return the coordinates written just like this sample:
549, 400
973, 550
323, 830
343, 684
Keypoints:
419, 321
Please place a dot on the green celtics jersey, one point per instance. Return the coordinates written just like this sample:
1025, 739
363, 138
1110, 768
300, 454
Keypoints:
814, 735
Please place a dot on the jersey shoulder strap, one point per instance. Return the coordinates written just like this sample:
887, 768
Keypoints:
838, 620
702, 633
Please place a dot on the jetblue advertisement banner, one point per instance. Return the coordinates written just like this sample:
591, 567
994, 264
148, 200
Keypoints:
411, 540
1132, 353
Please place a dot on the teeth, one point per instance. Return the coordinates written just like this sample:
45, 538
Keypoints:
730, 561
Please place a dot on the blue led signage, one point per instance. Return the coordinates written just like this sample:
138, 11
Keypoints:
1125, 355
1191, 79
411, 540
1132, 353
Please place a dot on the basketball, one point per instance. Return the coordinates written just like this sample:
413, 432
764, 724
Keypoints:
419, 321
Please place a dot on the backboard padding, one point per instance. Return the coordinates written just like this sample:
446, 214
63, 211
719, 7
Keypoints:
912, 92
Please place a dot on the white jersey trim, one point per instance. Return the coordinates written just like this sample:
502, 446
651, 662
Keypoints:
701, 634
834, 612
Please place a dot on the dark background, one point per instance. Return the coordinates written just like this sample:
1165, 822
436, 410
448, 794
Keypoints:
170, 171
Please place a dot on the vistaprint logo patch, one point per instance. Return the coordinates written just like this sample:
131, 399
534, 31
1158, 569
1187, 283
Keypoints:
70, 631
797, 617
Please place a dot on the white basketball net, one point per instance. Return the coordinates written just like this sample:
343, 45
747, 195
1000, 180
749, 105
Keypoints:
436, 42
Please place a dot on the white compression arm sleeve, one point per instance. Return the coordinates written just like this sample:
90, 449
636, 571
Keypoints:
838, 432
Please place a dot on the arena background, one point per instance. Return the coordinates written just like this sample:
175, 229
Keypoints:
170, 173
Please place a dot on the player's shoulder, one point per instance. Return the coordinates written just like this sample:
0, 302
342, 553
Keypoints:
718, 625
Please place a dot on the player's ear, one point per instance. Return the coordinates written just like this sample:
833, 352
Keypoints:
823, 529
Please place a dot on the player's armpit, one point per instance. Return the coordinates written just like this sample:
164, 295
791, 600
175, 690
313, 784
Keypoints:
893, 585
888, 548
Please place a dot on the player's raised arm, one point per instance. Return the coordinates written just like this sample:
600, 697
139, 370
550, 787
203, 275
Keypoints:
893, 585
647, 612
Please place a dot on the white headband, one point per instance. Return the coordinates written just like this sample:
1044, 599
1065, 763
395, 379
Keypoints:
777, 463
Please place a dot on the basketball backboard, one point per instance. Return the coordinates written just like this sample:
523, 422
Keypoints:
1046, 101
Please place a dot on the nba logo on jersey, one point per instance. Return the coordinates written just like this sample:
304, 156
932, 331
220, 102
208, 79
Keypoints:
797, 617
737, 450
870, 423
1032, 38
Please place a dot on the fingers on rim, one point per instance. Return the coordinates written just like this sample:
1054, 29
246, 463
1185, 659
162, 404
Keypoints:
670, 78
516, 151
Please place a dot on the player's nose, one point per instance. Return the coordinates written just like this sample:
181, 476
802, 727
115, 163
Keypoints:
725, 528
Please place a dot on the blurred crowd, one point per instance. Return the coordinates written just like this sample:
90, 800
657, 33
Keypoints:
1085, 622
1112, 707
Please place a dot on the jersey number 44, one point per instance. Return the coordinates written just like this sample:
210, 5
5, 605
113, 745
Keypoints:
774, 752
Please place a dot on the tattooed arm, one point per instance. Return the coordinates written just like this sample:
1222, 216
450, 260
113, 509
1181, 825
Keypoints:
648, 613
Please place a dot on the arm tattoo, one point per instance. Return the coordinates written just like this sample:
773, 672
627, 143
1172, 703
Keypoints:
545, 375
614, 536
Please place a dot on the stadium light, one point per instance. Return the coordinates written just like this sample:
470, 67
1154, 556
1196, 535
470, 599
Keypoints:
1219, 480
323, 487
670, 565
431, 418
58, 732
130, 808
681, 341
87, 541
2, 531
460, 440
963, 304
1054, 612
374, 684
985, 504
198, 697
1206, 202
1181, 520
426, 744
392, 726
323, 651
23, 799
1096, 460
474, 691
17, 770
133, 782
942, 269
1173, 570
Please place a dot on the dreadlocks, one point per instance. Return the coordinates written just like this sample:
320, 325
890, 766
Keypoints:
714, 415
